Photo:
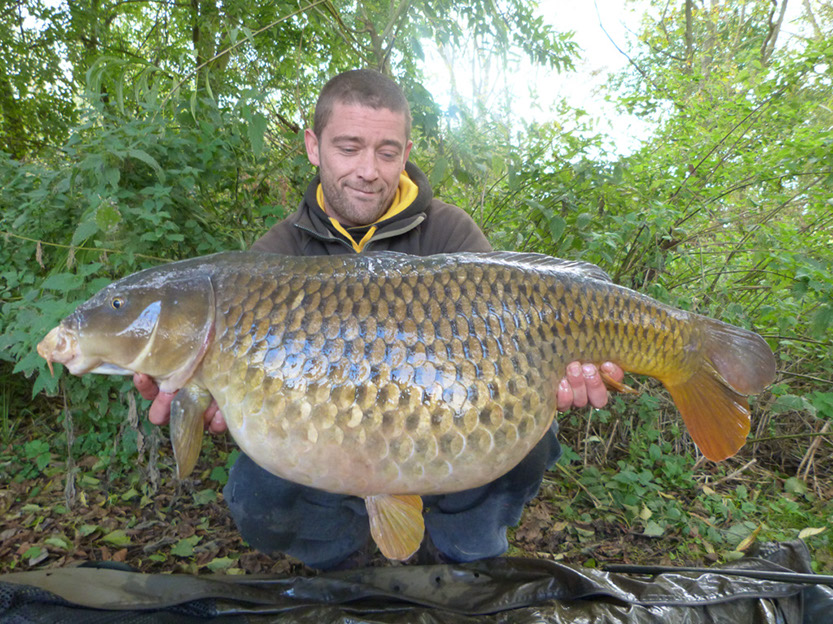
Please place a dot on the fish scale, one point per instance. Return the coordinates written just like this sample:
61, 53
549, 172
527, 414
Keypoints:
390, 376
505, 315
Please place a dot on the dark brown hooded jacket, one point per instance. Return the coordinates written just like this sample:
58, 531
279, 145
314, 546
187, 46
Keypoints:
428, 226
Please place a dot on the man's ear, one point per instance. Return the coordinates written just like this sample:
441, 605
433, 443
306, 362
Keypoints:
407, 152
311, 142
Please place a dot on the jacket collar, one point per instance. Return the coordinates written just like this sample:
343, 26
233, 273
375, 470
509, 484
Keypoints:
314, 221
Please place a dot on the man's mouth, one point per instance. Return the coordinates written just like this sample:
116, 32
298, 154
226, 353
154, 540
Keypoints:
364, 192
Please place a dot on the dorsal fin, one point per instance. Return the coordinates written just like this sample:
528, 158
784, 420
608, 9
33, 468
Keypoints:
544, 262
536, 261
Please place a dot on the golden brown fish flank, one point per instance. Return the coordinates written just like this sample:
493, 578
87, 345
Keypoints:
389, 375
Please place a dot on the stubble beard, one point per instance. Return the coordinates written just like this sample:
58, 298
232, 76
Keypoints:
349, 213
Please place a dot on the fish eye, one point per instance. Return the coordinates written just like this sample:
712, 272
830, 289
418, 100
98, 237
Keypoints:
116, 303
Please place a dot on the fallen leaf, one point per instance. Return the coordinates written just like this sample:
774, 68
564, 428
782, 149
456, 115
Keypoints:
185, 547
116, 538
749, 539
652, 529
810, 532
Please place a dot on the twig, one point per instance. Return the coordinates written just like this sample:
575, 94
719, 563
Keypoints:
69, 487
595, 500
734, 473
610, 439
793, 436
807, 460
196, 70
62, 246
587, 435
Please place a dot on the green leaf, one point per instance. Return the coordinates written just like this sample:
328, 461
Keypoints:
557, 225
794, 485
149, 160
185, 546
117, 538
792, 403
652, 529
823, 402
583, 220
58, 541
89, 481
438, 171
218, 564
112, 175
45, 381
62, 282
84, 230
33, 553
257, 130
107, 216
203, 497
219, 474
87, 529
821, 321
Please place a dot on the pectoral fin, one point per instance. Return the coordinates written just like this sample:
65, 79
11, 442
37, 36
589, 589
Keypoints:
396, 524
616, 386
187, 427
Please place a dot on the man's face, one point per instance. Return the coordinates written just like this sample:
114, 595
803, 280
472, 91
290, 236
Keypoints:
360, 155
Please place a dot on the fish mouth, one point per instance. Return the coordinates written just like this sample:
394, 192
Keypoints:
61, 345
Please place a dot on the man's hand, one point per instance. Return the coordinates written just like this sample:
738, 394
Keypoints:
160, 410
583, 384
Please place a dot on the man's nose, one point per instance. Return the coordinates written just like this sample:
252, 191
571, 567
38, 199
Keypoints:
368, 168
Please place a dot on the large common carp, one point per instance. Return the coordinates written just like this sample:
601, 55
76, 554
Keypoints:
389, 376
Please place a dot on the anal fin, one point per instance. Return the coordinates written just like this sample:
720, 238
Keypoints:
396, 524
187, 427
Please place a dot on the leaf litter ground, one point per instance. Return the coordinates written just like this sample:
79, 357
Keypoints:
186, 527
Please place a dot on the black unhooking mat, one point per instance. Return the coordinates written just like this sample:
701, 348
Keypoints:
501, 590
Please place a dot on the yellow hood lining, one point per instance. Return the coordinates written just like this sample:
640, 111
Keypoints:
405, 195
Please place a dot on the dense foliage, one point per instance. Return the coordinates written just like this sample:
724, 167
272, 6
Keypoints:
133, 133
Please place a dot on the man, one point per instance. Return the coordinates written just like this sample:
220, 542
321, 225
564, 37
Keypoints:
366, 197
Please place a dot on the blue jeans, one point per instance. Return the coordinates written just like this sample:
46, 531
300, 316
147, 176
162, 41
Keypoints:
323, 529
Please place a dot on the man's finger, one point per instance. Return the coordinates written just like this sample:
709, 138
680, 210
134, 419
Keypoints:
575, 378
613, 371
214, 421
160, 410
564, 396
145, 385
594, 386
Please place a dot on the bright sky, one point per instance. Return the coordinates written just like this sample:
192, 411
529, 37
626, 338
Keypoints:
597, 25
580, 87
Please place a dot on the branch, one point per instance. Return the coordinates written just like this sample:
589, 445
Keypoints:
193, 72
632, 62
769, 43
73, 247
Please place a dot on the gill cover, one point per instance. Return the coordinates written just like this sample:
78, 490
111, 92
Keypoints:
156, 322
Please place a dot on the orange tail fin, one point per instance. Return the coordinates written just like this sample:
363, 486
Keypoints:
712, 401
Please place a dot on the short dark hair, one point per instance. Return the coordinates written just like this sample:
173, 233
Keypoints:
366, 87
